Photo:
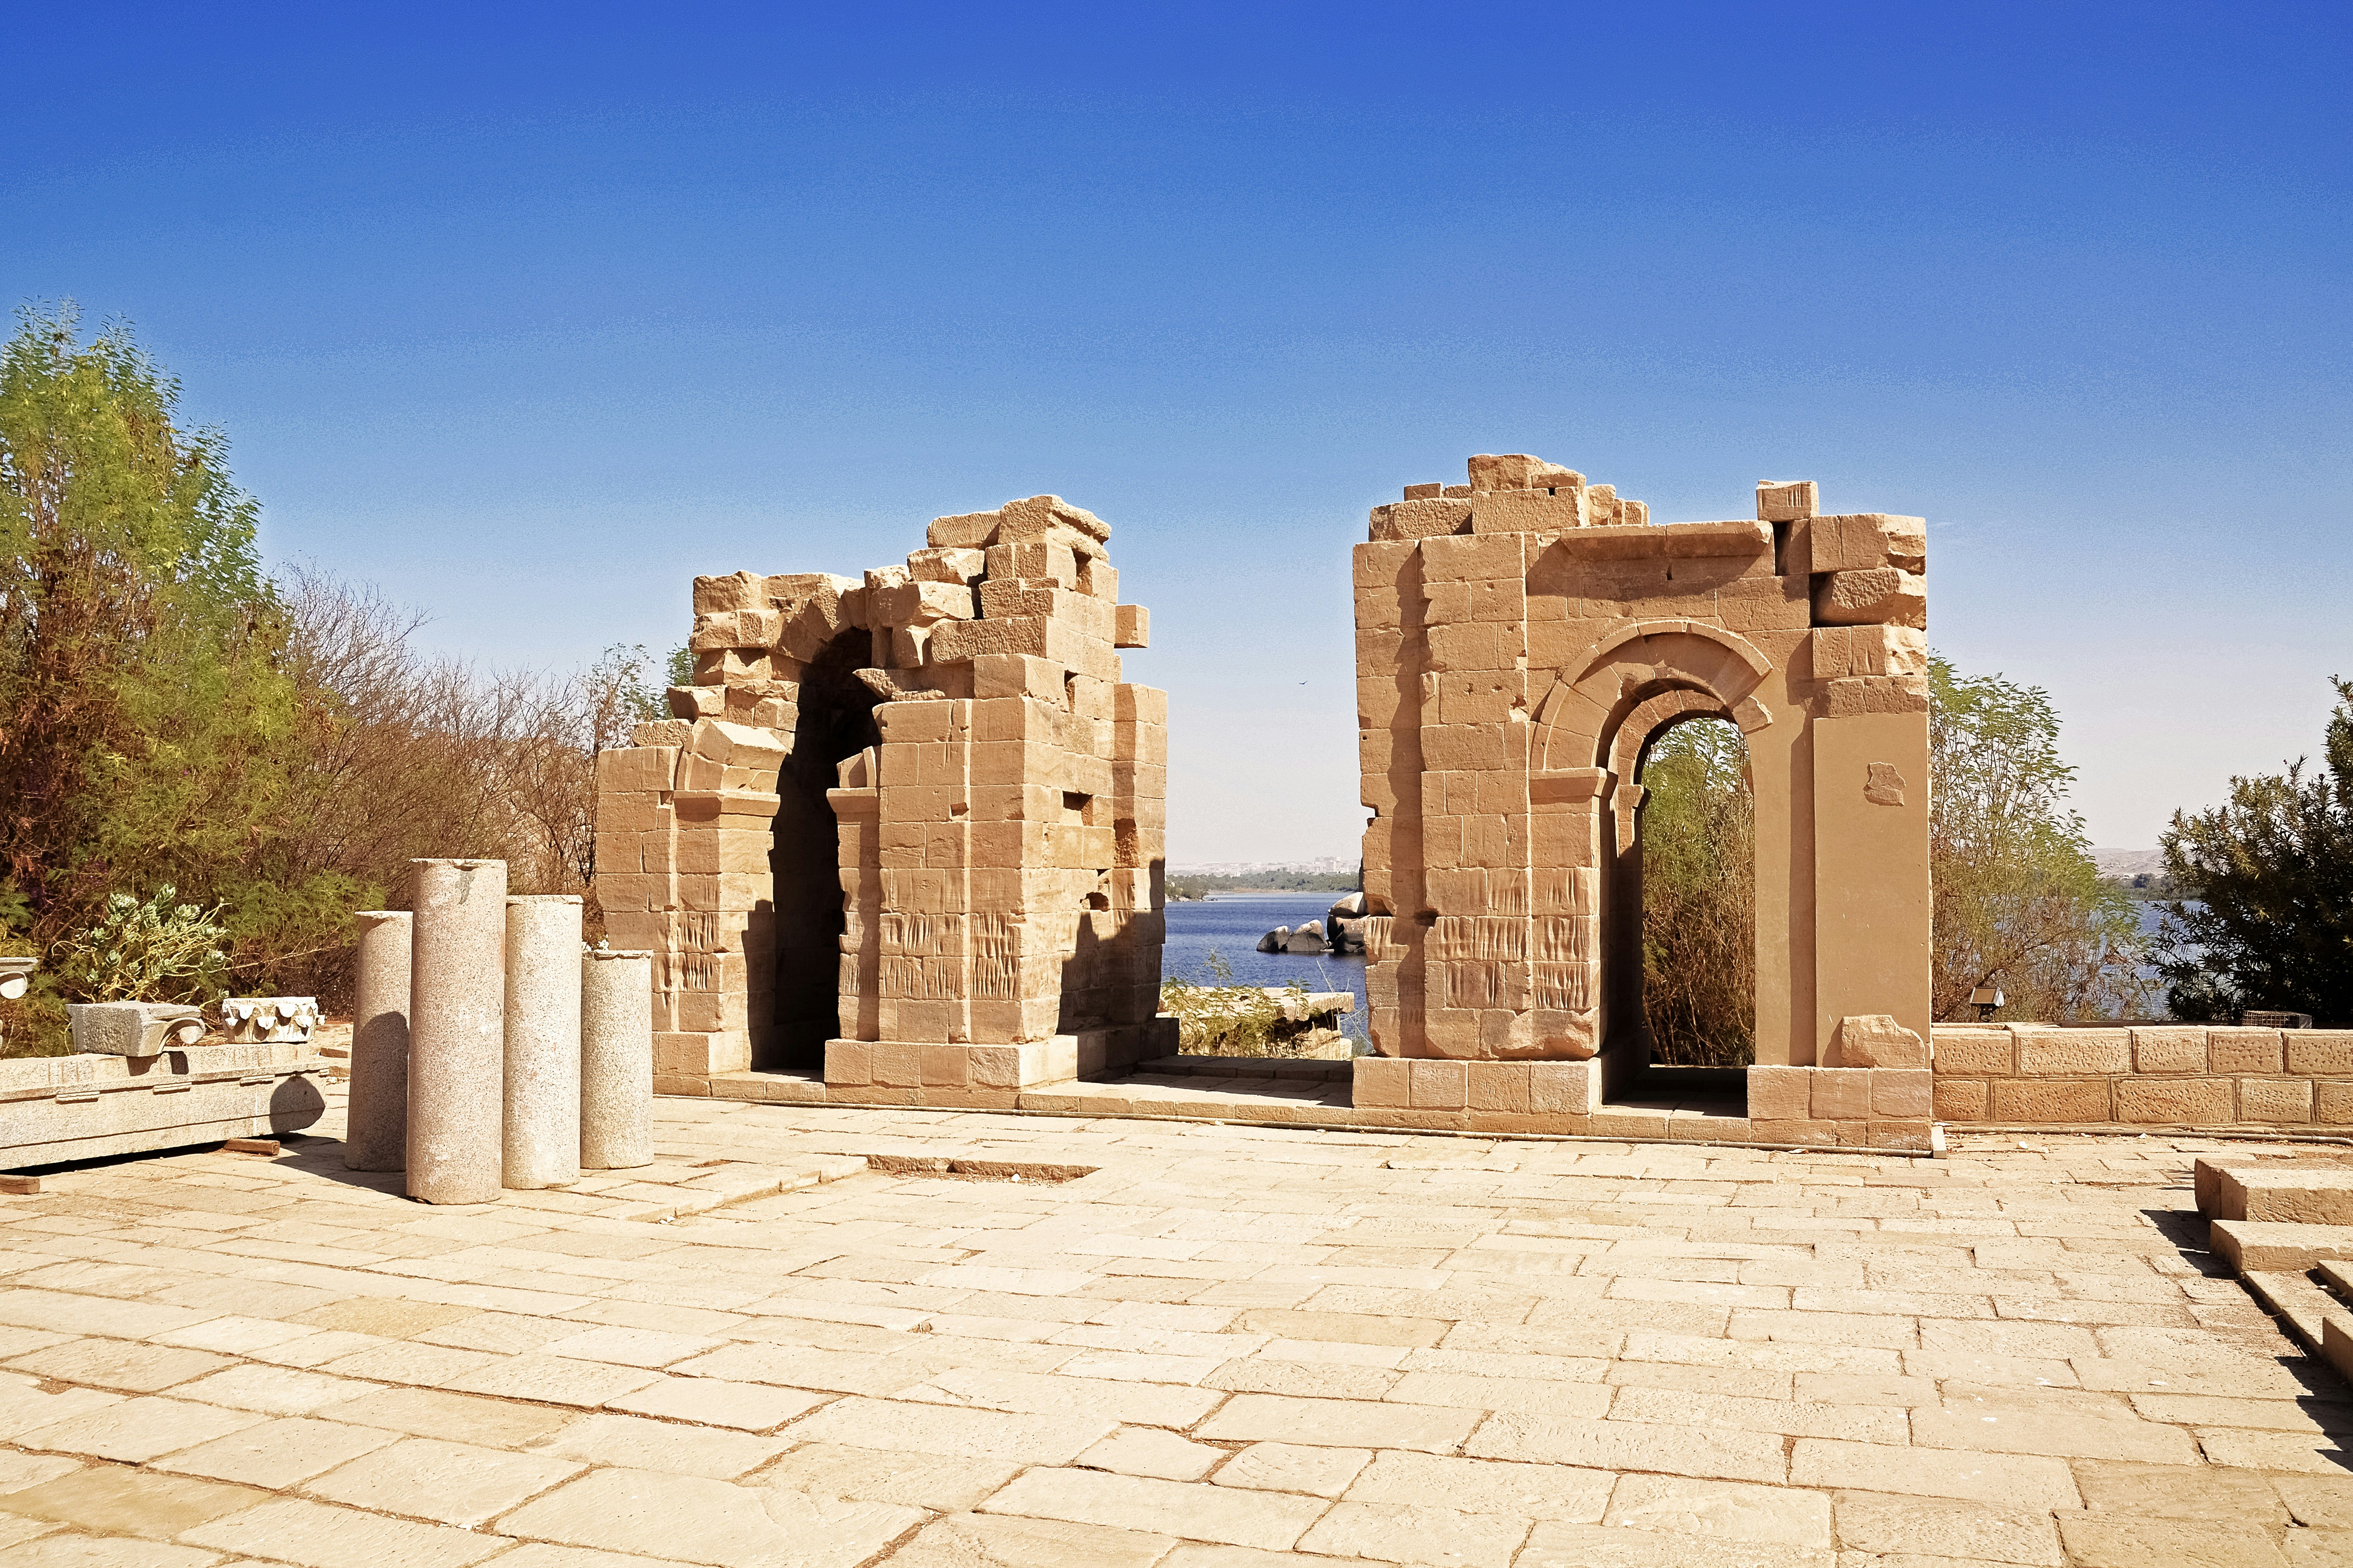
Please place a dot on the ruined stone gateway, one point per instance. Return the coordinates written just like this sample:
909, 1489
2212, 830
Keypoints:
1521, 641
908, 829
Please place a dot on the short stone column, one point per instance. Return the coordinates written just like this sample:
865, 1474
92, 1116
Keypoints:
616, 1060
456, 1030
375, 1119
542, 1040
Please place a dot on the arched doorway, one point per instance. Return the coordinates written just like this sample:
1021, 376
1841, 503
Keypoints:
1696, 837
836, 720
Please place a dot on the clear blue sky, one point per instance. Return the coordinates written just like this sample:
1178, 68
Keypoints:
527, 314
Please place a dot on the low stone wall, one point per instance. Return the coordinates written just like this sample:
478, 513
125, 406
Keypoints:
2182, 1075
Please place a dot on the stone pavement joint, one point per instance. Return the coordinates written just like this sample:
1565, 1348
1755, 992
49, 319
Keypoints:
857, 1339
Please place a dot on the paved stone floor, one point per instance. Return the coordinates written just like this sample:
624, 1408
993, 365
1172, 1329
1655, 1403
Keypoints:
1226, 1347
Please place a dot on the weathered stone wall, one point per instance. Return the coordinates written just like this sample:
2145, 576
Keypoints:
2170, 1075
908, 828
1521, 639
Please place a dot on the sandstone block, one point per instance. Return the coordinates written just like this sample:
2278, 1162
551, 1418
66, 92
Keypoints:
2317, 1053
2256, 1246
2179, 1102
1883, 593
1974, 1052
1877, 1040
2072, 1053
2333, 1103
1563, 1089
1779, 500
1840, 1094
2290, 1196
1441, 1085
1133, 628
1780, 1093
2051, 1099
1385, 1082
2169, 1050
1902, 1094
2279, 1100
1961, 1099
2243, 1050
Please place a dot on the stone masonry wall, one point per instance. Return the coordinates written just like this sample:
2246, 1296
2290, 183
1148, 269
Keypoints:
2176, 1075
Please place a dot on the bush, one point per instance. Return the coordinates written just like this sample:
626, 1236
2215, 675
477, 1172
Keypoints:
159, 951
1699, 898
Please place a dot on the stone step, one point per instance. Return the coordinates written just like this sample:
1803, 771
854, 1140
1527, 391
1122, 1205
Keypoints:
2299, 1303
2269, 1245
2208, 1177
2290, 1196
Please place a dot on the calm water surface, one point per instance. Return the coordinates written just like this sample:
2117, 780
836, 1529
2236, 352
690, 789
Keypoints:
1232, 923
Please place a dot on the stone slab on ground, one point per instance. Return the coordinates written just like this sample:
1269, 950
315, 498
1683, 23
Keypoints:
1222, 1345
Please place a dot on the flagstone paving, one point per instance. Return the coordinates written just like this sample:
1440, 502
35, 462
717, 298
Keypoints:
1227, 1347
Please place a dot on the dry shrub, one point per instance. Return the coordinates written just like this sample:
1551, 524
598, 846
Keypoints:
1699, 898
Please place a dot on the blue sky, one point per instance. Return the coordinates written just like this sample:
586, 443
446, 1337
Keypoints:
528, 314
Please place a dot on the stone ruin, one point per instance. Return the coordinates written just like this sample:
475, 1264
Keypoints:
1523, 640
908, 828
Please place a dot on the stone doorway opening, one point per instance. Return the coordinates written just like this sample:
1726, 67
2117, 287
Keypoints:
835, 723
1696, 835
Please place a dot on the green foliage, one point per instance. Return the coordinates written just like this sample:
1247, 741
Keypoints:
1699, 898
681, 668
158, 951
148, 734
1201, 885
2263, 915
2018, 902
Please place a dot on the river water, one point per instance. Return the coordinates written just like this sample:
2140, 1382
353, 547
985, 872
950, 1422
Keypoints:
1231, 924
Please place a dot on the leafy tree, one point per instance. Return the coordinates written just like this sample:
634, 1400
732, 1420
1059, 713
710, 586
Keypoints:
1699, 897
146, 731
2263, 915
2018, 902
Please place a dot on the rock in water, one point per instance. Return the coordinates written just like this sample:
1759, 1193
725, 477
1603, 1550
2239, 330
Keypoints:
1272, 941
1307, 939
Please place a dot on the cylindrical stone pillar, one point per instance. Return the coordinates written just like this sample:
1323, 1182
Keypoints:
456, 1030
376, 1117
616, 1060
542, 1099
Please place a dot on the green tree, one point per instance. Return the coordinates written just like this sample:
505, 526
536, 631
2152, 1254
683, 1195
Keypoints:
2264, 912
2018, 902
147, 733
1699, 897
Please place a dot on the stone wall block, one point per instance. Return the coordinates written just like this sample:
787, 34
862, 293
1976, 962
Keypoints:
1961, 1099
2185, 1101
2243, 1050
1441, 1085
1841, 1094
1565, 1088
2333, 1103
2072, 1053
1382, 1081
2278, 1099
2319, 1053
2051, 1099
1780, 1093
1902, 1093
1967, 1052
2169, 1050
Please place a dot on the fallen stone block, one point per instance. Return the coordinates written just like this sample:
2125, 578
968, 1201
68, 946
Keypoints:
133, 1028
2250, 1244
